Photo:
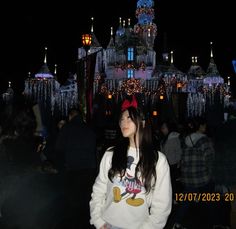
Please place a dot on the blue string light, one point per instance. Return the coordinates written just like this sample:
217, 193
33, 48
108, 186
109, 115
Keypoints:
145, 12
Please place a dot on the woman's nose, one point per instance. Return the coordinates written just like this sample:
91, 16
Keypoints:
124, 123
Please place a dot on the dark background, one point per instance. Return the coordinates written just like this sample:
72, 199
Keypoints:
189, 27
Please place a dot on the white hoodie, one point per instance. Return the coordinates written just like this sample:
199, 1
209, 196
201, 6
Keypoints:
124, 203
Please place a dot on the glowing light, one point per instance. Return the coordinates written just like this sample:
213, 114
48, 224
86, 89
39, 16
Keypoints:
211, 50
171, 57
154, 113
45, 58
55, 70
228, 83
129, 22
92, 24
131, 86
86, 39
179, 85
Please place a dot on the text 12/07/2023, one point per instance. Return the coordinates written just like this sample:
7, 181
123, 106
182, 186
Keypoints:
205, 197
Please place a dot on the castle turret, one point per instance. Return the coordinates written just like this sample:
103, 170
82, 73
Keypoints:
145, 28
120, 31
195, 71
110, 51
95, 43
213, 75
44, 71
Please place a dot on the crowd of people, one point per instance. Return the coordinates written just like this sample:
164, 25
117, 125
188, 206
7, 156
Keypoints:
144, 177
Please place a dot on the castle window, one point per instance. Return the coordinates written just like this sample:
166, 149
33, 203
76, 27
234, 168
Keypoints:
130, 73
130, 54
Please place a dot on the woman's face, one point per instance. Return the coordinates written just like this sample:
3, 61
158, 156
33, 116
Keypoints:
164, 129
127, 126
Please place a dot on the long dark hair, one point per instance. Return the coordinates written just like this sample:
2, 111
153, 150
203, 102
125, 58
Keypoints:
148, 155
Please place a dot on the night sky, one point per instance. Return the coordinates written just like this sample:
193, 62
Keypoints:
189, 27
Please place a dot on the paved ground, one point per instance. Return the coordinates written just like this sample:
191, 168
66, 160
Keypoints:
198, 217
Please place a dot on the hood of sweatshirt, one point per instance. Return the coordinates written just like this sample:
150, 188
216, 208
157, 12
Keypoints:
173, 135
191, 139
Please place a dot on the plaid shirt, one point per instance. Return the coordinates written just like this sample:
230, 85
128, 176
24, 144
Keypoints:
197, 162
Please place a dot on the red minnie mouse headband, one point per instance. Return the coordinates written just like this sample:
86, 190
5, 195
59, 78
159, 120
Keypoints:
126, 104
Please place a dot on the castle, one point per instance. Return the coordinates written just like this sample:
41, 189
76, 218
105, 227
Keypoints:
127, 66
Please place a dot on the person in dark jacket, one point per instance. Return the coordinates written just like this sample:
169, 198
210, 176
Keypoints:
197, 173
76, 143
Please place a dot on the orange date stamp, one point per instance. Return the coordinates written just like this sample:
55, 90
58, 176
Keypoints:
205, 197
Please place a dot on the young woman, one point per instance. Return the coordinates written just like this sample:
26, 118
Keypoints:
133, 187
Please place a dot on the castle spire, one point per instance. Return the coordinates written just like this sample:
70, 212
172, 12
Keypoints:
211, 49
45, 57
120, 31
212, 69
55, 70
171, 57
95, 42
120, 21
128, 21
193, 60
111, 31
44, 71
92, 24
111, 43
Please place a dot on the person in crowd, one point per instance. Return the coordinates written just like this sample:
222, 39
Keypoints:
46, 150
76, 143
196, 167
28, 198
170, 145
20, 138
133, 187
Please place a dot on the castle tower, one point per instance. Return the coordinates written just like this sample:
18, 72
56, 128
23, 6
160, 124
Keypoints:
212, 76
145, 28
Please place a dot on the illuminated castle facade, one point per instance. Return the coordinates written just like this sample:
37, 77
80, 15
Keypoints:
128, 65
